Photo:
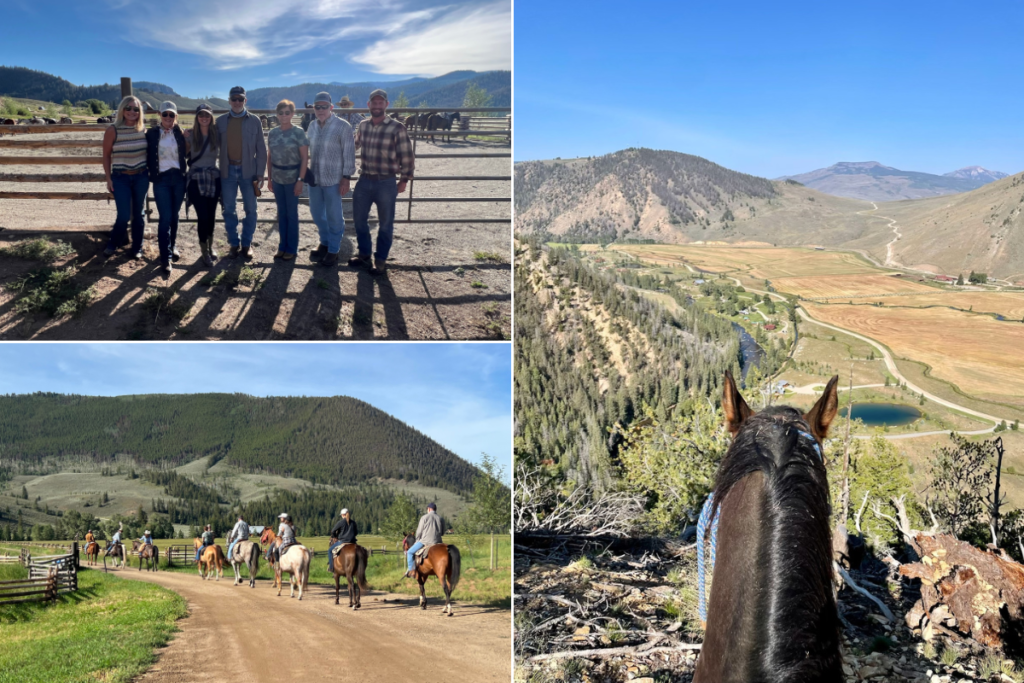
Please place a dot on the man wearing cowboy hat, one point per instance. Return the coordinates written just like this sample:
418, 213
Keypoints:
343, 532
428, 532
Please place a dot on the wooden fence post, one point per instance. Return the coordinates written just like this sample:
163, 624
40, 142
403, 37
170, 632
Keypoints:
126, 89
74, 553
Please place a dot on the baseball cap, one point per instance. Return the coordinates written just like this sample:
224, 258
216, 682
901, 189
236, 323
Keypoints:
168, 106
237, 90
379, 93
323, 97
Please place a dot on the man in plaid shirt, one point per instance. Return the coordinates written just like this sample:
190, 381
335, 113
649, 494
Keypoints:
385, 151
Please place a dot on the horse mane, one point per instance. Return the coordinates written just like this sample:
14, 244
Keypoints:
799, 605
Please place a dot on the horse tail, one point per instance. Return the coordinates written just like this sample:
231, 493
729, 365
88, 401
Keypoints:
361, 568
455, 560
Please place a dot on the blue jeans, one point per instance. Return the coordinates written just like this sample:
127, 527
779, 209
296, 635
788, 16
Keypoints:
325, 205
287, 217
169, 192
200, 551
130, 199
412, 552
229, 195
330, 556
383, 193
230, 548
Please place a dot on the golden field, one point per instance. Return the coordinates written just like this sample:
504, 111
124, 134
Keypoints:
759, 262
839, 286
1008, 304
977, 353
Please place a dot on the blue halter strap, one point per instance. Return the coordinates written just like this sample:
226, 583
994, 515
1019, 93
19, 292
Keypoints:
703, 521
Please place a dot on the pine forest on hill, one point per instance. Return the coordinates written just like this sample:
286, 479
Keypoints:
592, 353
336, 440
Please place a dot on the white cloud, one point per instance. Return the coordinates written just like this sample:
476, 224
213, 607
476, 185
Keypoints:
234, 36
480, 39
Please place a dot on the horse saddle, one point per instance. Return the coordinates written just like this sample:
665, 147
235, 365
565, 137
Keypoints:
421, 554
337, 551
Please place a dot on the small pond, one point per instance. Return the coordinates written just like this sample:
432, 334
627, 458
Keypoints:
879, 414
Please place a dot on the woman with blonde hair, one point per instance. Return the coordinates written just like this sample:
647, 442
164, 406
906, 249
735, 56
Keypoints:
124, 164
287, 158
204, 178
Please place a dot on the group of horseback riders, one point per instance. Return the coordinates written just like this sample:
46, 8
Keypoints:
428, 532
115, 540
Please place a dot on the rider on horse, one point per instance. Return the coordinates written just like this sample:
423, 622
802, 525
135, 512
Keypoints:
345, 532
240, 532
286, 532
208, 538
147, 539
428, 532
89, 538
116, 539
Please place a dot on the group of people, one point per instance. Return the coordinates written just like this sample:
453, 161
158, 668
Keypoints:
115, 540
216, 161
428, 532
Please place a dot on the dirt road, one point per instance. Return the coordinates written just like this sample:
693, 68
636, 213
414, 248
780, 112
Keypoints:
235, 633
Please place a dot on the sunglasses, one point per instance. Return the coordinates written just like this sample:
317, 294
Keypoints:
321, 107
238, 99
134, 109
168, 114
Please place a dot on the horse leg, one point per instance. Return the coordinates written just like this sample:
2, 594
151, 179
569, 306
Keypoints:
277, 579
423, 595
337, 589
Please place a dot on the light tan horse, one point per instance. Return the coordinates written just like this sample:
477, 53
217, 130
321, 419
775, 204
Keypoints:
295, 561
92, 553
211, 560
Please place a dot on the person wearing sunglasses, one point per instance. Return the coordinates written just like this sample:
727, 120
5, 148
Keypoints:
167, 152
243, 160
124, 163
287, 159
203, 179
332, 154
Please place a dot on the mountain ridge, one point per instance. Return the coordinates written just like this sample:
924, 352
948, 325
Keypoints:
876, 182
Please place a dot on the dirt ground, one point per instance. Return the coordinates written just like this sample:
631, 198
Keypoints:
237, 633
436, 287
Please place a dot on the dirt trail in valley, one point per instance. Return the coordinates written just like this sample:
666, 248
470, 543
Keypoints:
237, 633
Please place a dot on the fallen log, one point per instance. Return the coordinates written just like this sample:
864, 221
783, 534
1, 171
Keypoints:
977, 593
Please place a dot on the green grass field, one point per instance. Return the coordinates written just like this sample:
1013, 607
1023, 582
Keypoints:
106, 631
478, 583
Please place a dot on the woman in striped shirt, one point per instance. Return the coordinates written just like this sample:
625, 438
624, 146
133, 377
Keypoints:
124, 163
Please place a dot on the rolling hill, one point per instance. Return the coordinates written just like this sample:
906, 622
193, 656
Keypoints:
336, 440
677, 198
873, 182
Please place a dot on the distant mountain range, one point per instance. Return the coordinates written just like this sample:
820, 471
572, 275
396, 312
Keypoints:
443, 92
664, 196
875, 182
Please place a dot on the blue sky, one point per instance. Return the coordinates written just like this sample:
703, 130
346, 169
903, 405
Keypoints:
203, 47
774, 88
458, 394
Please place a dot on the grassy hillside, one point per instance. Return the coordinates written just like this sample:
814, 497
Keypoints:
337, 440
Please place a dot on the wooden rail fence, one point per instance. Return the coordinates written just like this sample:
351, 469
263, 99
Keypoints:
48, 577
476, 126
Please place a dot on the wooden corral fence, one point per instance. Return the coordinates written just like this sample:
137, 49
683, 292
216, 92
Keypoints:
48, 577
501, 129
182, 554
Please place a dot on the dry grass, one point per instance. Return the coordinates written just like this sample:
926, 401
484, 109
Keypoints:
836, 286
758, 262
1008, 304
971, 351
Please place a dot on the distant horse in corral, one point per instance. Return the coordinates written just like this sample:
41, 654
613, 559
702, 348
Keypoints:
351, 561
445, 562
148, 552
211, 560
92, 553
245, 553
117, 556
772, 615
295, 561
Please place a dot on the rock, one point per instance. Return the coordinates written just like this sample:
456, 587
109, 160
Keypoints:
674, 627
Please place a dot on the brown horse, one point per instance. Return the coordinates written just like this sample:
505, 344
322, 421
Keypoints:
351, 561
147, 552
210, 561
117, 556
92, 553
772, 615
269, 540
445, 562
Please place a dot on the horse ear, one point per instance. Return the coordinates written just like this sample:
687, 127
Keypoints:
824, 411
735, 408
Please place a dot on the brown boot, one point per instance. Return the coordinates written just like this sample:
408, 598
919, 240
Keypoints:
318, 253
359, 262
379, 267
233, 253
